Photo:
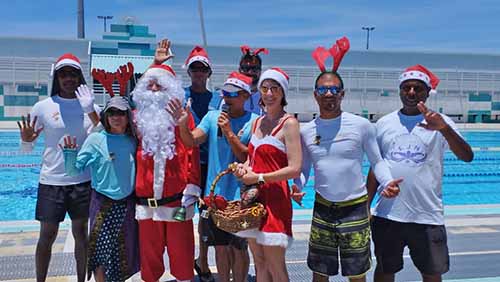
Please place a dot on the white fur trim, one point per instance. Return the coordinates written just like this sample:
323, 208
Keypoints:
274, 239
276, 76
192, 189
267, 238
433, 91
67, 62
238, 83
160, 213
158, 178
249, 233
199, 59
414, 74
157, 72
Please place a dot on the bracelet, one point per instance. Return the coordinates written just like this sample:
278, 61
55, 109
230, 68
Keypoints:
261, 180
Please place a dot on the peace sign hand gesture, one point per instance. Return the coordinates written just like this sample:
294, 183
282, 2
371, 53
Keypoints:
434, 120
27, 129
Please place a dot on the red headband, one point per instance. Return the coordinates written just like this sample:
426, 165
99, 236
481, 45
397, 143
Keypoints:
245, 49
338, 50
106, 79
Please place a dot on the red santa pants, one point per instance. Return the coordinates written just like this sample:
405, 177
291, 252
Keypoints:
178, 237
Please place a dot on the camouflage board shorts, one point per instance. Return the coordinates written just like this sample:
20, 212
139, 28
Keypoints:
340, 226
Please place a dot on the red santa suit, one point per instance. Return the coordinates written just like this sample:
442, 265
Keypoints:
158, 182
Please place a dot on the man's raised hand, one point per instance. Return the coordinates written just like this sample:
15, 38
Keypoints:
27, 129
162, 52
178, 113
434, 120
85, 97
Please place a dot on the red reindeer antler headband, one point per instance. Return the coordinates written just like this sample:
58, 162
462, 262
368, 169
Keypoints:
245, 49
123, 75
106, 79
338, 50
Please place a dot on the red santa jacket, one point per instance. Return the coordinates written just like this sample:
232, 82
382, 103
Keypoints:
183, 169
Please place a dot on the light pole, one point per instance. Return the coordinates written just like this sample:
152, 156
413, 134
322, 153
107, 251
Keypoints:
203, 34
105, 18
80, 20
368, 29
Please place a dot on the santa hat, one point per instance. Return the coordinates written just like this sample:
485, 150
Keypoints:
236, 82
277, 75
68, 59
421, 73
159, 71
198, 54
65, 60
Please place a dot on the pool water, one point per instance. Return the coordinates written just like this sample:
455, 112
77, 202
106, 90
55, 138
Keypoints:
463, 183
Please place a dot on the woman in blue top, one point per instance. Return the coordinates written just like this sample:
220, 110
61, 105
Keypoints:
113, 253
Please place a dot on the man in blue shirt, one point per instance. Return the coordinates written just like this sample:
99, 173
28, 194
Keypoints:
202, 100
227, 134
251, 65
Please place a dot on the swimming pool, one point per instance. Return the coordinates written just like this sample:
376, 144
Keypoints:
463, 183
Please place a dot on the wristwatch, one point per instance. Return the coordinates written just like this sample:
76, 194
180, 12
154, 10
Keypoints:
261, 180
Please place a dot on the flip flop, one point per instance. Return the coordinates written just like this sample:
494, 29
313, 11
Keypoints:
203, 276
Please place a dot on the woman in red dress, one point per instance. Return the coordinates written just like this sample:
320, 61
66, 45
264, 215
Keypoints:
274, 156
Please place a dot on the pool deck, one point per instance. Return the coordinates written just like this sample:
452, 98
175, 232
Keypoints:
473, 233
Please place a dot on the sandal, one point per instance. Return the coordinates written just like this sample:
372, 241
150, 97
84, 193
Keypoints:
203, 276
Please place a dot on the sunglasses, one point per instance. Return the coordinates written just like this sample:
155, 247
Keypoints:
230, 94
250, 68
265, 89
417, 89
116, 113
199, 69
68, 74
322, 90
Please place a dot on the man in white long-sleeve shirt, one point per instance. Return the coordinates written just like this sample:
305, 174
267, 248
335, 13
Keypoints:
334, 145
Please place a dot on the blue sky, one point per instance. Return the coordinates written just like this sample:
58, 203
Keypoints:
425, 25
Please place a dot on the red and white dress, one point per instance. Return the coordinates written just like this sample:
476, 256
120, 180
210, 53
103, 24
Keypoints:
268, 154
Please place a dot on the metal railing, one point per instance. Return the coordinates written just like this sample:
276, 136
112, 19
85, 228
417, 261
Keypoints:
368, 90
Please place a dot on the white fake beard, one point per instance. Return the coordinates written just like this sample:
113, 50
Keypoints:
155, 125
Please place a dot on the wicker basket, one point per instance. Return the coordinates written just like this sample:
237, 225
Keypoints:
234, 218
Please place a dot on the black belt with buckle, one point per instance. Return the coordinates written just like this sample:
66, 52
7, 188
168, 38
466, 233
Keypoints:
154, 203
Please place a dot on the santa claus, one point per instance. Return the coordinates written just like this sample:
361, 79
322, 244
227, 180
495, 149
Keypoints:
167, 179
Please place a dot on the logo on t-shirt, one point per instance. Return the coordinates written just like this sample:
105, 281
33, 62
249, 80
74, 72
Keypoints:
55, 116
407, 149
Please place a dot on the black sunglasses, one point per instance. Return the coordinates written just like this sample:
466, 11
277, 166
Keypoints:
199, 69
250, 68
113, 112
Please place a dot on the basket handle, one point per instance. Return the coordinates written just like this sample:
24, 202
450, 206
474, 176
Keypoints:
230, 169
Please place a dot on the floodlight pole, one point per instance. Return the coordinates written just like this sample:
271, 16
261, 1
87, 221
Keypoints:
202, 22
105, 18
368, 29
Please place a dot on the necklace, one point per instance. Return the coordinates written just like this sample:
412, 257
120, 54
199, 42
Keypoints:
268, 124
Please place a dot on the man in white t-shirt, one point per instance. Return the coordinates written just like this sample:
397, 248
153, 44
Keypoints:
333, 145
69, 110
413, 141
